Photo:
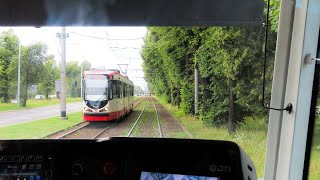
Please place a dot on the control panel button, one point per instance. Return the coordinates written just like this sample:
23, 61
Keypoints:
49, 173
2, 158
23, 158
77, 169
16, 158
31, 166
109, 168
9, 158
38, 158
31, 158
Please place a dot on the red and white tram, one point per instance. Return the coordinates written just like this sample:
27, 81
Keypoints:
107, 95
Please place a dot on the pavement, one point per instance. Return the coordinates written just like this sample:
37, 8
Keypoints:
33, 114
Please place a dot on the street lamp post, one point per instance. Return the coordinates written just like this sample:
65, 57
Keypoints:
18, 90
63, 91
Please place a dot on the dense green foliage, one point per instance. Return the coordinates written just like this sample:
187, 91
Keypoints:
74, 77
8, 52
49, 75
32, 68
230, 64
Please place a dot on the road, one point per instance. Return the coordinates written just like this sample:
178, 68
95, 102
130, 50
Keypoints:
27, 115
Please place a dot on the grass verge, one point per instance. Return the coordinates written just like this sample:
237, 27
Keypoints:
32, 103
252, 137
39, 129
147, 125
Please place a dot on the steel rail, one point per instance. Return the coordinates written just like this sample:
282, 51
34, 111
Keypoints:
159, 127
142, 99
99, 133
134, 125
71, 132
184, 129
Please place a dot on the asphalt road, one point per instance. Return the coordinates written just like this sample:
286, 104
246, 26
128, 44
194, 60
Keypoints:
27, 115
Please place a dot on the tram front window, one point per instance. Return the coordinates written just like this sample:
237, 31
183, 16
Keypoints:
119, 72
96, 90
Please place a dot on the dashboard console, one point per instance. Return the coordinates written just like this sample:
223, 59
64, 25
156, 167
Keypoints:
124, 158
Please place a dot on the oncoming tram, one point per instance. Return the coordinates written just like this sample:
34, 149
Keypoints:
107, 95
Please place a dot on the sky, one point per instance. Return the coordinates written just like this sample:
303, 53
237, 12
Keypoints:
103, 47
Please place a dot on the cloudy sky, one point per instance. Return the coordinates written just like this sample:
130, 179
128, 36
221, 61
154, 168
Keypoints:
103, 46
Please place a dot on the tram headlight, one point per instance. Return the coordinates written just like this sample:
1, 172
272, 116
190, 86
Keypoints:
87, 109
104, 109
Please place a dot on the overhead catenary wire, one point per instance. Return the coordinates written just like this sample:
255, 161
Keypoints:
110, 39
106, 38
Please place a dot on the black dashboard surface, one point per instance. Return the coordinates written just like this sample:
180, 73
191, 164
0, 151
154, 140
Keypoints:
118, 158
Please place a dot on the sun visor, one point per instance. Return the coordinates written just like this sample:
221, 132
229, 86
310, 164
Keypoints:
131, 12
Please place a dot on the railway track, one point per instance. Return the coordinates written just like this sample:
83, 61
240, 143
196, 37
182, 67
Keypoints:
157, 115
89, 131
147, 120
139, 117
174, 120
97, 128
138, 102
99, 133
136, 122
77, 128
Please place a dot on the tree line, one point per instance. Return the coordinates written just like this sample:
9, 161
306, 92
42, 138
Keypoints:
230, 65
38, 69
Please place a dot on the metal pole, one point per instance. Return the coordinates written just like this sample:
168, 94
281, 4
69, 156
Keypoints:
18, 91
63, 76
196, 91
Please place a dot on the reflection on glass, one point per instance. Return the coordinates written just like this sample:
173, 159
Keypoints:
163, 176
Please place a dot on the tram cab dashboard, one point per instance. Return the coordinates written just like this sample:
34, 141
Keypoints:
124, 158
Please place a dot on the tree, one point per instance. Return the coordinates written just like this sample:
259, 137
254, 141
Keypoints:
168, 64
8, 52
32, 67
138, 90
73, 79
86, 65
49, 75
230, 62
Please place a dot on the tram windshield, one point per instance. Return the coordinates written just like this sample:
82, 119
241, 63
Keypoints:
96, 88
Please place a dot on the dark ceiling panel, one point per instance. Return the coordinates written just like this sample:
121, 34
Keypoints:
131, 12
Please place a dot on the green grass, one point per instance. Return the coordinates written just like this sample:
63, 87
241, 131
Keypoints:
148, 115
39, 129
32, 103
252, 137
178, 135
314, 172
